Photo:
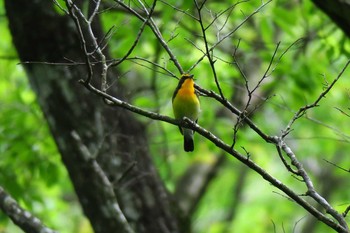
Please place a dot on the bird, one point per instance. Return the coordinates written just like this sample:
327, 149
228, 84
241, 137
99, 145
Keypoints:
186, 104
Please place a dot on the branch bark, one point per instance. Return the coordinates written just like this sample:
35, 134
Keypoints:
21, 217
112, 136
340, 227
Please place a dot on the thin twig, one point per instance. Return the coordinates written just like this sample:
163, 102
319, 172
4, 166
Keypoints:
153, 64
217, 16
301, 171
337, 166
133, 46
219, 143
208, 53
179, 10
250, 93
303, 109
72, 9
229, 34
156, 32
346, 211
92, 38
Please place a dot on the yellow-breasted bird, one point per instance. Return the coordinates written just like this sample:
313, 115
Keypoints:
186, 104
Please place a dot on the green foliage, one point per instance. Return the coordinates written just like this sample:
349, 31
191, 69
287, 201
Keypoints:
31, 168
312, 52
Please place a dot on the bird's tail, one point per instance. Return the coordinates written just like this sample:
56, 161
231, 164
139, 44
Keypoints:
188, 140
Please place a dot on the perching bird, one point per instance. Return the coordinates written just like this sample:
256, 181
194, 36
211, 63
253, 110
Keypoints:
186, 104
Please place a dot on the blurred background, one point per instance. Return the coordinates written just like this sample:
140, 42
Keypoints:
308, 51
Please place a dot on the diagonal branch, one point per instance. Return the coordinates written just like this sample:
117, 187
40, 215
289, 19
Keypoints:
72, 9
230, 33
156, 32
310, 187
303, 109
228, 149
206, 44
78, 16
149, 15
100, 182
341, 226
295, 162
21, 217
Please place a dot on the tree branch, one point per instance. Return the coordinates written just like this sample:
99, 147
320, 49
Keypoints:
278, 141
149, 15
70, 108
21, 217
206, 44
230, 33
294, 161
76, 14
156, 32
303, 109
227, 148
102, 183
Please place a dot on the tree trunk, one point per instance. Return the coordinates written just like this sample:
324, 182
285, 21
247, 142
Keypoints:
99, 145
338, 11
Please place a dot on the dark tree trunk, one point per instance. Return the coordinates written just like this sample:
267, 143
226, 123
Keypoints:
338, 11
85, 128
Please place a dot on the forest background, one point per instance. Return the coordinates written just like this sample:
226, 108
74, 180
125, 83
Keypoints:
274, 90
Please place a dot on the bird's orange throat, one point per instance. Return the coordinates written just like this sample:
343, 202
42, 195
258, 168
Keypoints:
187, 88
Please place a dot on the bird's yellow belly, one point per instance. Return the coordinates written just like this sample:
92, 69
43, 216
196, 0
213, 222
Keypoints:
186, 105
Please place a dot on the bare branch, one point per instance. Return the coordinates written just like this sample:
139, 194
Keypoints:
289, 168
154, 65
72, 9
156, 32
303, 110
208, 53
250, 93
310, 187
227, 104
109, 204
281, 146
77, 15
337, 166
229, 34
294, 161
266, 72
346, 211
149, 15
21, 217
342, 111
179, 10
60, 7
187, 123
95, 11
